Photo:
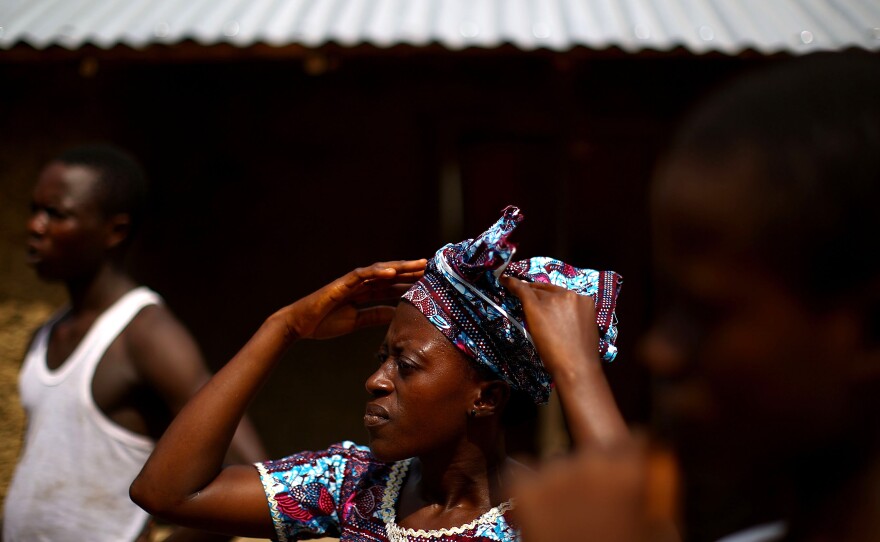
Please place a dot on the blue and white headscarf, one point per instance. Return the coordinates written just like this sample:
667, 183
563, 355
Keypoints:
461, 296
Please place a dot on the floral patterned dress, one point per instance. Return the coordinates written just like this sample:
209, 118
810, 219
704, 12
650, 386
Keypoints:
345, 492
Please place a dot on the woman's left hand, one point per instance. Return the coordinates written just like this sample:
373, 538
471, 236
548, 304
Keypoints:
562, 324
566, 335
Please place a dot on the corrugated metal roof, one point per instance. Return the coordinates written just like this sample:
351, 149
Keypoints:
728, 26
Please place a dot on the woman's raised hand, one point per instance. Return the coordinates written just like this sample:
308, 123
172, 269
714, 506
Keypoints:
561, 322
357, 299
563, 326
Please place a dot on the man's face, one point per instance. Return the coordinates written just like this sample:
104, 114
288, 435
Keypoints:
747, 368
67, 232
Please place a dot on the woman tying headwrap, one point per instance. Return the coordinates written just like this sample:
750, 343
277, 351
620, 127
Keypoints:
469, 332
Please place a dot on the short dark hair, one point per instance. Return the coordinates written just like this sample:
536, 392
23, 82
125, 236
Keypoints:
122, 186
812, 126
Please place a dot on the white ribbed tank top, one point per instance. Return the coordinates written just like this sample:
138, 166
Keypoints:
71, 482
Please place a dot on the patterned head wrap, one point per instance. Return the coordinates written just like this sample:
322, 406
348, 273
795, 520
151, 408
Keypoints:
461, 295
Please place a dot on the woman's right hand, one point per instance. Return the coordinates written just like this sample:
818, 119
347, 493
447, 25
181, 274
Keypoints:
352, 301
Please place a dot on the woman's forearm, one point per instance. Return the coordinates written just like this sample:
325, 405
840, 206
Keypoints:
590, 409
183, 481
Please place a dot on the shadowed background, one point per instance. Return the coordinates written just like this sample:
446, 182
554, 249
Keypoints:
273, 176
277, 168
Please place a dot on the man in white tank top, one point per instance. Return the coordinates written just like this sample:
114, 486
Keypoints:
103, 378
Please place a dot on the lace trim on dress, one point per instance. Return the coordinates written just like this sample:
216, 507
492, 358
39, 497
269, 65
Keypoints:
271, 491
396, 533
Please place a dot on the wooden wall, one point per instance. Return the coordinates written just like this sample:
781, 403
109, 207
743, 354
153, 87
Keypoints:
274, 175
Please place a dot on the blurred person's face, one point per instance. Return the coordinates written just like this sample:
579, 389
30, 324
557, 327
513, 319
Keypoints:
749, 371
67, 232
421, 393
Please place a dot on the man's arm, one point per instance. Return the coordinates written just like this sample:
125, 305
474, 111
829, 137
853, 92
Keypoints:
169, 362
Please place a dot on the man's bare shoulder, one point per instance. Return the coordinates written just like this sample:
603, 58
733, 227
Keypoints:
155, 323
164, 355
157, 336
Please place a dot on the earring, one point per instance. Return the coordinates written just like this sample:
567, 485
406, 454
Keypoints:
473, 413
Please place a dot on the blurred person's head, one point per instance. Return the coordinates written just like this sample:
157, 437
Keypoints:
86, 206
766, 241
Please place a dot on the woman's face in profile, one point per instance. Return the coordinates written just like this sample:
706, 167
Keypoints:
421, 393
